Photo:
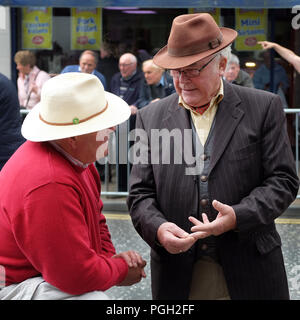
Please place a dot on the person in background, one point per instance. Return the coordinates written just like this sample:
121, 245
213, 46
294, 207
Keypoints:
30, 80
158, 84
262, 78
209, 212
55, 243
127, 85
107, 63
285, 53
10, 121
87, 64
235, 75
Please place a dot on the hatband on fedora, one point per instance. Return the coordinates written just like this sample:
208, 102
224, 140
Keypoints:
192, 38
73, 104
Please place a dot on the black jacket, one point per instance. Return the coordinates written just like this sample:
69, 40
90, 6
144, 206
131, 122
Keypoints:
247, 171
10, 120
145, 93
132, 94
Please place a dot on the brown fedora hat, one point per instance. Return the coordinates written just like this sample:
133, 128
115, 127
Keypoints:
192, 38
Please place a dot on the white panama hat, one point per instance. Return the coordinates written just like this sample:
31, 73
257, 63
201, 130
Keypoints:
73, 104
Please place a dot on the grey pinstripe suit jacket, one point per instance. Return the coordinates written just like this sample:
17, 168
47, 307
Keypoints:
251, 168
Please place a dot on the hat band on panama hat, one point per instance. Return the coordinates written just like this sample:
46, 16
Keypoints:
198, 48
75, 120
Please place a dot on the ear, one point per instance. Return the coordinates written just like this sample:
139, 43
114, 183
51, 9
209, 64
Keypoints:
222, 65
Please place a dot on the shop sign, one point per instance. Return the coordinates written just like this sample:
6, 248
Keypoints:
252, 26
37, 28
86, 29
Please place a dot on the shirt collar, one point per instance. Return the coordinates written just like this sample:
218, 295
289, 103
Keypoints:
79, 69
68, 156
215, 100
161, 81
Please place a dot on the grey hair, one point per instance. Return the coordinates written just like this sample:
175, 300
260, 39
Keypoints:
226, 53
152, 64
234, 59
132, 58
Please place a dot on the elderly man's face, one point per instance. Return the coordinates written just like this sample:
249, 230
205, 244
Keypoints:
126, 66
198, 91
152, 74
87, 63
232, 72
92, 146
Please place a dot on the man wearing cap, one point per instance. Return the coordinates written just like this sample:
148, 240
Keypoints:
55, 243
208, 214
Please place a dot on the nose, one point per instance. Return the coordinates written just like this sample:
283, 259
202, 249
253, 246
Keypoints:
183, 77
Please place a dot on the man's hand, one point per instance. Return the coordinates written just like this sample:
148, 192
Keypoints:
266, 44
132, 258
136, 266
225, 221
133, 109
174, 239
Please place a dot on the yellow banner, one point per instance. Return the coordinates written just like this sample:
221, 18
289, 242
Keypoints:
252, 26
86, 29
37, 28
215, 12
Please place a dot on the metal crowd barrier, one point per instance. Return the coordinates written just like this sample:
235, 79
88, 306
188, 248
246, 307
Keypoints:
109, 188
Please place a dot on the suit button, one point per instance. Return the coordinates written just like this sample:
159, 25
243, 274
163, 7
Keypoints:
204, 247
204, 202
204, 157
203, 178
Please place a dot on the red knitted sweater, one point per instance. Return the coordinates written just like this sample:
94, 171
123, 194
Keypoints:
51, 223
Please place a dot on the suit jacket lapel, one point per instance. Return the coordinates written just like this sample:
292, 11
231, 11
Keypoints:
178, 117
228, 117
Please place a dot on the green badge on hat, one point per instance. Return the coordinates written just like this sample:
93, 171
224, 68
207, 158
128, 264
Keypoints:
75, 121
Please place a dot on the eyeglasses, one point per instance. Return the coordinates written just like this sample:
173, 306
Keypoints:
190, 73
125, 64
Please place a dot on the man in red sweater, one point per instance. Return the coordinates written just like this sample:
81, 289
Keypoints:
54, 241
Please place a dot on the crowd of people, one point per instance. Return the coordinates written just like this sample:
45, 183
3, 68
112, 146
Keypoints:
209, 222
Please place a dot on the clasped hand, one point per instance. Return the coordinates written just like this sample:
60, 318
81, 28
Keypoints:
136, 266
175, 240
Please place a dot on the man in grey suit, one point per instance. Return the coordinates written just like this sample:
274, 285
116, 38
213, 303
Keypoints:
210, 221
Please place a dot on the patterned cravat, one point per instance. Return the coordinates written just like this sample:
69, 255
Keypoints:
201, 109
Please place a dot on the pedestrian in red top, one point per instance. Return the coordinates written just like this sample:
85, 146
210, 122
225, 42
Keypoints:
54, 241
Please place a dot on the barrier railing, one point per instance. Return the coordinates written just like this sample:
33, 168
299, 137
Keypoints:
112, 171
